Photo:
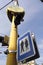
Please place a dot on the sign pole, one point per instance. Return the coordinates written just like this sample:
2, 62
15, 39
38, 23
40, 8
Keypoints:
11, 58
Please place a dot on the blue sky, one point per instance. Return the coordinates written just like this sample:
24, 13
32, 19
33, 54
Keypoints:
33, 21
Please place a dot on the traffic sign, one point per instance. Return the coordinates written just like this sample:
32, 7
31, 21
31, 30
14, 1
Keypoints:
25, 47
37, 55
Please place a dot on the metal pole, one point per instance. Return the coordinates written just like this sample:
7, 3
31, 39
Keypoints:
11, 58
16, 3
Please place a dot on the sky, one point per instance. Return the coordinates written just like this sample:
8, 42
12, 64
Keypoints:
33, 21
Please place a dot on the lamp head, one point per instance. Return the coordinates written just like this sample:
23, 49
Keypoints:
18, 12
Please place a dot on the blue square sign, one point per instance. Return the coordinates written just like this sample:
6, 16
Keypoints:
25, 47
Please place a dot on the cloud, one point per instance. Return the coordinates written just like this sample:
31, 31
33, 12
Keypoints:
2, 62
32, 8
40, 45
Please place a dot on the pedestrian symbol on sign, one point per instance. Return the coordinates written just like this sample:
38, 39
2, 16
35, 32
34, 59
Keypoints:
24, 45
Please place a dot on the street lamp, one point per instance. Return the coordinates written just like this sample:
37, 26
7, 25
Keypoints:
15, 15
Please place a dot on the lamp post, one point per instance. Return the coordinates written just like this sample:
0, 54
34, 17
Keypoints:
15, 15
